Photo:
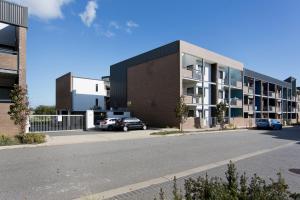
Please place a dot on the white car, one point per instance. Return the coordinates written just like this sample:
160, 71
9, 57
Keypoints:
108, 124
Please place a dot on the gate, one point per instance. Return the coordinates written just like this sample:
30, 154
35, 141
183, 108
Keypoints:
49, 123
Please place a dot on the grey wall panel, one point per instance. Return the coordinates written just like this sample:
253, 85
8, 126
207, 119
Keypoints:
14, 14
118, 72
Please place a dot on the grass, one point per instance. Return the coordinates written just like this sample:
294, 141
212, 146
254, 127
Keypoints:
29, 138
166, 132
7, 141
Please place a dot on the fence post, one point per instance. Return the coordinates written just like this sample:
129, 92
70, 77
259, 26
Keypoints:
89, 119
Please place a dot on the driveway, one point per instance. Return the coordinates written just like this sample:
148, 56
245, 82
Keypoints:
79, 170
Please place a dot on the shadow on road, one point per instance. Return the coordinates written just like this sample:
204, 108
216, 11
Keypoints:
288, 133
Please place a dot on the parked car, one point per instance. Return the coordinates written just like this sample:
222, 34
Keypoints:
108, 124
132, 123
268, 124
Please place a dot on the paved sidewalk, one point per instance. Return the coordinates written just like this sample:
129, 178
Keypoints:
94, 136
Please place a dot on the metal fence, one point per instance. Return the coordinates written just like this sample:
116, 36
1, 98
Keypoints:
49, 123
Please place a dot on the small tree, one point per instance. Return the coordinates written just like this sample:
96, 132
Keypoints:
19, 109
221, 109
45, 110
181, 111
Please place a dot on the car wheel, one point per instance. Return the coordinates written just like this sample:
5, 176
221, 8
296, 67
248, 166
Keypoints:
144, 127
125, 128
110, 128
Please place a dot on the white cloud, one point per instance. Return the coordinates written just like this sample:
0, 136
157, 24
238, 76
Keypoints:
108, 34
44, 9
132, 24
89, 15
114, 24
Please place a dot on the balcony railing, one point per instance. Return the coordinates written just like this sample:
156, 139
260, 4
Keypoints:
272, 108
237, 84
192, 99
191, 74
278, 95
251, 91
278, 109
271, 94
246, 89
236, 102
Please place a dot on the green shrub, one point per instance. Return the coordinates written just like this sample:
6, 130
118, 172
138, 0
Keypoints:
234, 188
6, 140
32, 138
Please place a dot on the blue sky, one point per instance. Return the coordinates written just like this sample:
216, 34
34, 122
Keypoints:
87, 36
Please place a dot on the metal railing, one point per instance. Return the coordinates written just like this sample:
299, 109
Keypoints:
50, 123
192, 73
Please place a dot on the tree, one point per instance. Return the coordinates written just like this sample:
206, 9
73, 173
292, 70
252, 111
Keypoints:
45, 110
221, 109
181, 111
19, 109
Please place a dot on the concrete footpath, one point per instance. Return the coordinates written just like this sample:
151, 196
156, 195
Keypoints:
91, 137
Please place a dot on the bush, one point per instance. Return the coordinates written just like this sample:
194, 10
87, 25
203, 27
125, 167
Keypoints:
234, 188
6, 140
32, 138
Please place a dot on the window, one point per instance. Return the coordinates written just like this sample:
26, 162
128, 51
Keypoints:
97, 102
190, 91
200, 91
118, 113
191, 113
221, 75
96, 87
190, 67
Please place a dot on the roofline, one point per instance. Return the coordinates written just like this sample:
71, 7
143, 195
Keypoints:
147, 52
271, 79
212, 52
13, 14
87, 78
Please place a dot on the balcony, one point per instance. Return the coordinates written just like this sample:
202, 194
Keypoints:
237, 84
246, 90
192, 99
271, 94
265, 108
271, 108
251, 91
246, 108
236, 102
191, 74
278, 95
278, 109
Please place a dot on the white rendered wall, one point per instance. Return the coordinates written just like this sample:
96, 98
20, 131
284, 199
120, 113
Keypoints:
85, 94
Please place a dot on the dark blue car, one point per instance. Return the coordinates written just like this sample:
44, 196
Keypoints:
268, 124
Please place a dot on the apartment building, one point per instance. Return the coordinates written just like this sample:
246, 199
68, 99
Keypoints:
150, 85
267, 97
78, 94
298, 105
13, 29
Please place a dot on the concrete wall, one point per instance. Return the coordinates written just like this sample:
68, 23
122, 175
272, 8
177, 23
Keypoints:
84, 93
154, 90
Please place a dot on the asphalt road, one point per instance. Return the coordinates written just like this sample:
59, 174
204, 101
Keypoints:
72, 171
